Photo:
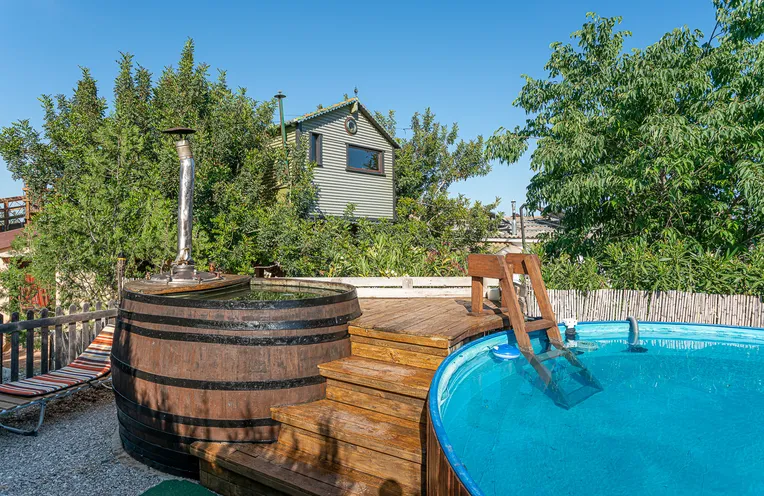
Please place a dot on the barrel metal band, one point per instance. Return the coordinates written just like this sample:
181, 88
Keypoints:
182, 465
216, 385
233, 340
165, 440
238, 326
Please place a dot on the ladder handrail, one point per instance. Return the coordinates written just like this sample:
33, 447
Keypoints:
503, 267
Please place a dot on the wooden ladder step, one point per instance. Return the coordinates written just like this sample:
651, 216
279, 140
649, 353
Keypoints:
539, 324
375, 431
568, 397
253, 469
543, 357
377, 374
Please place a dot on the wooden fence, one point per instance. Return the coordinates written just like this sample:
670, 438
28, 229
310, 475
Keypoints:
603, 304
59, 338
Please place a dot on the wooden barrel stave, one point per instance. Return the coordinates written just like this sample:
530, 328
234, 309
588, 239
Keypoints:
244, 429
212, 403
226, 362
187, 370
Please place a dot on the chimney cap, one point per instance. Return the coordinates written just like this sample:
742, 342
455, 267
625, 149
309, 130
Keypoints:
179, 130
279, 95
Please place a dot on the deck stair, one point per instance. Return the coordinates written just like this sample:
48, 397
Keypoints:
367, 437
503, 267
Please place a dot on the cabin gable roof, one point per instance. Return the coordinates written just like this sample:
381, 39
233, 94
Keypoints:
346, 103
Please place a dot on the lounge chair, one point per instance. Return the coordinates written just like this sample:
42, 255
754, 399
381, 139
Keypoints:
91, 368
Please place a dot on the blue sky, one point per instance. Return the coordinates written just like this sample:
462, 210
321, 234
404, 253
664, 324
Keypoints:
462, 59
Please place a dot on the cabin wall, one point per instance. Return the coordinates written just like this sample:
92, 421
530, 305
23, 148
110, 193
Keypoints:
277, 141
373, 194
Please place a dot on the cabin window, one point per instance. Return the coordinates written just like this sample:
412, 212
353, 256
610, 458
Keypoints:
365, 159
316, 148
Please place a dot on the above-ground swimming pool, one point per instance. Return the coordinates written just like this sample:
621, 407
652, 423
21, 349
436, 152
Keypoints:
686, 417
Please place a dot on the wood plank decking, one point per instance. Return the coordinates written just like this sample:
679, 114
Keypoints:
433, 322
368, 437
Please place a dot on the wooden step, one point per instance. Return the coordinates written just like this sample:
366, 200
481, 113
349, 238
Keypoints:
390, 351
427, 350
259, 469
375, 431
377, 374
336, 452
397, 405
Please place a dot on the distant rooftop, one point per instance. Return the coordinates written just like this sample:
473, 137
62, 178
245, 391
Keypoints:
7, 237
534, 226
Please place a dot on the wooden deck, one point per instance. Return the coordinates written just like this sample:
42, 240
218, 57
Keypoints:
434, 322
368, 437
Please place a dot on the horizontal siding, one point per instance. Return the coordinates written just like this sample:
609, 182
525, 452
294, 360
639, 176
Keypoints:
373, 195
277, 141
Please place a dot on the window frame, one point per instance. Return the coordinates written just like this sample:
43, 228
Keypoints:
380, 160
314, 155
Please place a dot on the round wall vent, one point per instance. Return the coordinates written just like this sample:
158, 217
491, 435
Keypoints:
351, 126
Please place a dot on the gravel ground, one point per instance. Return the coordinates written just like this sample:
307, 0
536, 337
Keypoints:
76, 452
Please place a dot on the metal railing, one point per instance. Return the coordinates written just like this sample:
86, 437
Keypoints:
13, 213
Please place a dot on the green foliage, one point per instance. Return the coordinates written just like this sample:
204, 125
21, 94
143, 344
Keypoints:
331, 247
633, 144
653, 159
109, 182
671, 263
107, 179
426, 166
12, 285
433, 159
564, 272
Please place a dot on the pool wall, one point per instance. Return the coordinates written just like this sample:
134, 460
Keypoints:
441, 477
446, 475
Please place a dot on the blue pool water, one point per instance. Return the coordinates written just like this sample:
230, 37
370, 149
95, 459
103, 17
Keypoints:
684, 418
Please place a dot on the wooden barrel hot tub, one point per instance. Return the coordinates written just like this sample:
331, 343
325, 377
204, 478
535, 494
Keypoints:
187, 369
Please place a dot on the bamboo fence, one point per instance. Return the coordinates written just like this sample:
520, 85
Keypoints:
656, 306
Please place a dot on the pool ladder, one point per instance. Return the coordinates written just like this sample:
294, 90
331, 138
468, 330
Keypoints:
588, 385
503, 267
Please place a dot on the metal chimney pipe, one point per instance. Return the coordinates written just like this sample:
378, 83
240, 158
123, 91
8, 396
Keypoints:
514, 218
182, 270
522, 227
280, 97
185, 202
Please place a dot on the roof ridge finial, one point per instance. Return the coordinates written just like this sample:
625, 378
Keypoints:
355, 90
